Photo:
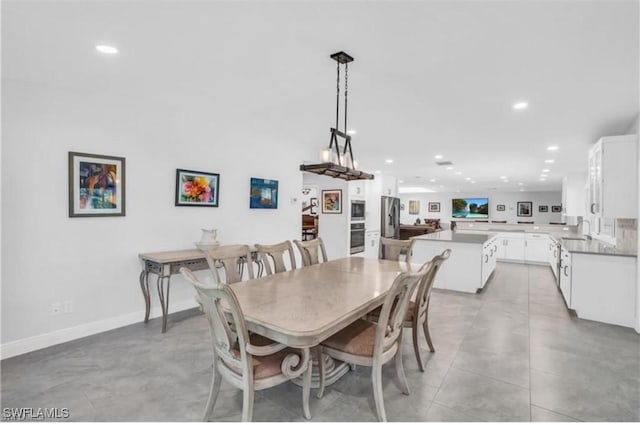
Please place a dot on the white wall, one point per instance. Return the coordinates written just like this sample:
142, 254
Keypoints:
508, 199
93, 262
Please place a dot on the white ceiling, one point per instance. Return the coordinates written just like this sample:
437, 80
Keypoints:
435, 77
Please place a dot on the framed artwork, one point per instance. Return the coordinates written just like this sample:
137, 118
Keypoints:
332, 201
543, 208
314, 206
556, 208
500, 207
414, 207
96, 185
263, 193
402, 206
525, 209
197, 188
434, 206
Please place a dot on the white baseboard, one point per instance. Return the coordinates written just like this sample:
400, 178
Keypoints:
26, 345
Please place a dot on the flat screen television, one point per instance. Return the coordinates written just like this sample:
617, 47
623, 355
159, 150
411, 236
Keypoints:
470, 208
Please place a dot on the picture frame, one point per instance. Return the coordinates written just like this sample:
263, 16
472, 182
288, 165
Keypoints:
556, 208
434, 206
402, 206
414, 207
332, 201
314, 206
500, 207
525, 209
543, 208
263, 193
197, 188
96, 185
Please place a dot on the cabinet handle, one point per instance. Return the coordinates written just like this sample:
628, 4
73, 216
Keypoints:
486, 258
491, 253
593, 208
555, 254
565, 271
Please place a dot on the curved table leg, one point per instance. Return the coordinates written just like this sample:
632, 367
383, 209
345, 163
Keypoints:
144, 285
164, 300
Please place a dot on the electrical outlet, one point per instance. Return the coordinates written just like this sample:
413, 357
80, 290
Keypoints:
67, 307
55, 308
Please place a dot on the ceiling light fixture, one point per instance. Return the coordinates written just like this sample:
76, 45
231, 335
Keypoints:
449, 168
552, 148
505, 181
389, 161
467, 178
549, 161
414, 190
546, 170
335, 163
106, 49
519, 106
438, 156
400, 181
503, 177
542, 179
352, 132
473, 182
432, 180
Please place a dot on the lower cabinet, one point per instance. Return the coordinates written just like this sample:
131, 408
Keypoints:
511, 247
603, 288
371, 244
529, 247
489, 257
536, 248
565, 277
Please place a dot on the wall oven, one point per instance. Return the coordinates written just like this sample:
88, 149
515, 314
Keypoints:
357, 238
357, 210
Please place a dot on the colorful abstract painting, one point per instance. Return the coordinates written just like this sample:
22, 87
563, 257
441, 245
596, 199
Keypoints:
263, 194
197, 188
96, 185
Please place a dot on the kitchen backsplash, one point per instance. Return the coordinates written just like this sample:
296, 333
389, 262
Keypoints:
627, 233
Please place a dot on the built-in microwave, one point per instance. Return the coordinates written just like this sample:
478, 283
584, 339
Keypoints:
357, 210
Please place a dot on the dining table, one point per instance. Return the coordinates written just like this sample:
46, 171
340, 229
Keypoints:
303, 307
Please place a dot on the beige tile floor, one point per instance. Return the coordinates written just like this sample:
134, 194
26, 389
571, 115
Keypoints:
510, 353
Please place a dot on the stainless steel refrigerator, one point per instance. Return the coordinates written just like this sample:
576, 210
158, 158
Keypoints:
390, 217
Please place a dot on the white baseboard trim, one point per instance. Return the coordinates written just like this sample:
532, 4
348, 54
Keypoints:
26, 345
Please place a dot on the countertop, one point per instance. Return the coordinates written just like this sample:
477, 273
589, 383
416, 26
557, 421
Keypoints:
480, 236
460, 237
594, 247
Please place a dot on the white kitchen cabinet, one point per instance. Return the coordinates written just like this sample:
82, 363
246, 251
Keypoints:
371, 244
565, 277
357, 189
553, 252
573, 195
489, 256
512, 247
613, 178
536, 248
604, 288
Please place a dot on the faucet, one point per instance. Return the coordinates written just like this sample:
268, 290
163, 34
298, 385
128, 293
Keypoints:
587, 235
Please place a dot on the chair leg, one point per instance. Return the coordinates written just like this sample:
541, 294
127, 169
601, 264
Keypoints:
376, 377
306, 390
425, 327
214, 390
400, 369
247, 404
416, 346
321, 371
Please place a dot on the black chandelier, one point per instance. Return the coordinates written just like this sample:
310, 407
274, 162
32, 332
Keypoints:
335, 163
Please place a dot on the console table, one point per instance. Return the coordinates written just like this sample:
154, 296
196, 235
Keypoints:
167, 263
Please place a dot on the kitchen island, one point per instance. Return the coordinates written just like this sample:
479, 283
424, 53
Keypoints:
473, 258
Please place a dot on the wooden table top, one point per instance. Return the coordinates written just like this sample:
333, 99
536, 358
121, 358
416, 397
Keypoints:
303, 307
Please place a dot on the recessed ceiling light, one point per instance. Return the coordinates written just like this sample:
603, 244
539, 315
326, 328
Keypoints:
503, 177
542, 179
377, 171
505, 181
552, 148
543, 175
520, 184
546, 170
438, 156
449, 168
519, 106
458, 173
432, 180
549, 161
414, 190
351, 132
473, 181
400, 181
109, 50
467, 178
388, 161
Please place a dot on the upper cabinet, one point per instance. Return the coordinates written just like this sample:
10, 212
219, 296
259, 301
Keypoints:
613, 178
573, 194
